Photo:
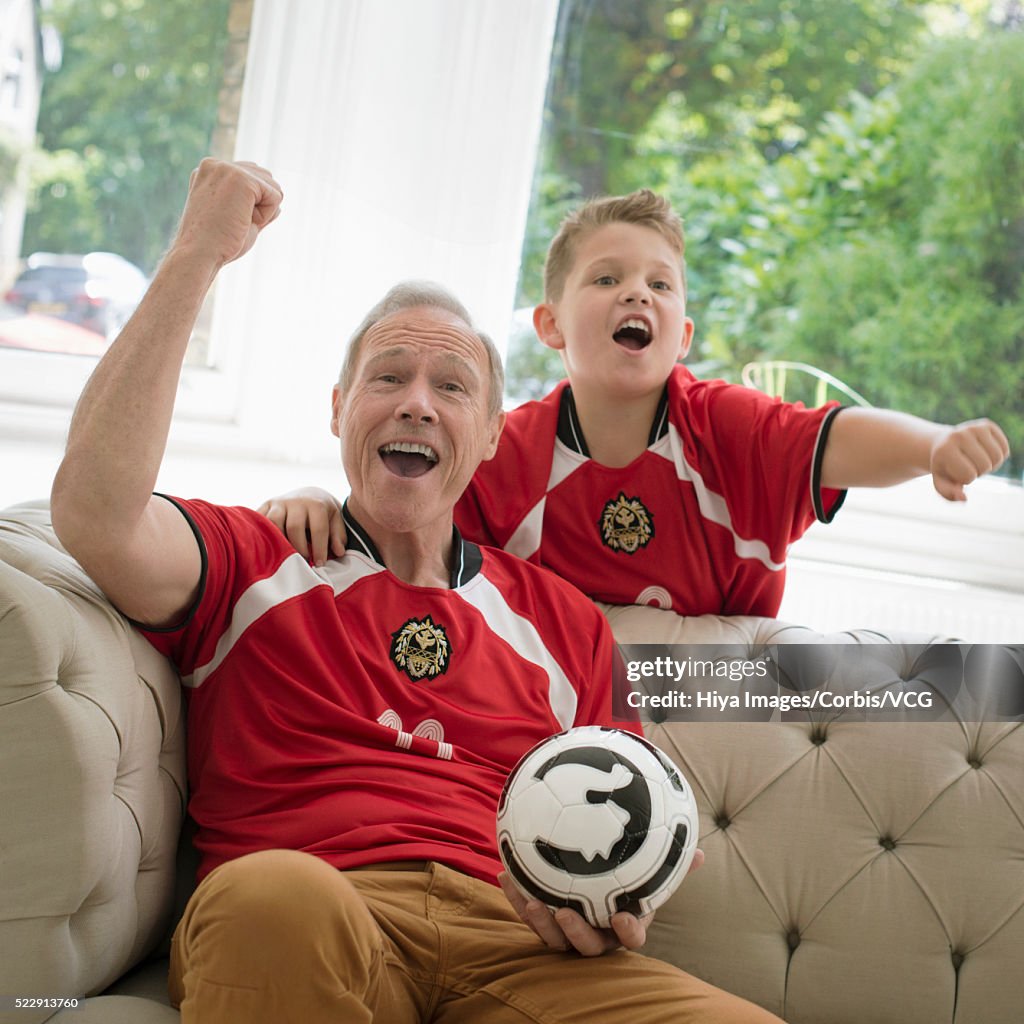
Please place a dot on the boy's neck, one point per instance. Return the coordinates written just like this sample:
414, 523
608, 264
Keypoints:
616, 435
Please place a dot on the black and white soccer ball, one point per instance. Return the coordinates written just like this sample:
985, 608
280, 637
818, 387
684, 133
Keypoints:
598, 820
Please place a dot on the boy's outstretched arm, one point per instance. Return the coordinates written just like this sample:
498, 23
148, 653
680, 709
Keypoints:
879, 448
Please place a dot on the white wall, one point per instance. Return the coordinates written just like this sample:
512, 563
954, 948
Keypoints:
19, 108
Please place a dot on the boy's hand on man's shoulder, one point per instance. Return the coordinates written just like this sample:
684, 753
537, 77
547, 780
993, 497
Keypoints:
311, 520
967, 451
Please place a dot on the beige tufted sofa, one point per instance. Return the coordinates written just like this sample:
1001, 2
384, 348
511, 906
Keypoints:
857, 873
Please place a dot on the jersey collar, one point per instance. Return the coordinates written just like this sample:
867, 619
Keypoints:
570, 433
467, 558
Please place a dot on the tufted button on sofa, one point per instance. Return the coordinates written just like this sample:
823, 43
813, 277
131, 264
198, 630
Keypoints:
857, 872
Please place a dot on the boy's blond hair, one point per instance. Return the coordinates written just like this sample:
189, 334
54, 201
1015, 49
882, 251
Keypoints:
642, 207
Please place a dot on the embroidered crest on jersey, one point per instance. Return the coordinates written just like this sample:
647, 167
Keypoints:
420, 648
626, 525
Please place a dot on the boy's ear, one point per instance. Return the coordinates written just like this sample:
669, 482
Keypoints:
687, 339
545, 323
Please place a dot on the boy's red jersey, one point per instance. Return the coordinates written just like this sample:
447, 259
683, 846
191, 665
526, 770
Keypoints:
700, 522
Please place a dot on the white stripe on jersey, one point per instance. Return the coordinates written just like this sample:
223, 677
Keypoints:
522, 636
712, 505
525, 541
345, 572
294, 576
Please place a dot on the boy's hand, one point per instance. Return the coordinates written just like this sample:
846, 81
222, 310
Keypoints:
565, 929
968, 451
311, 519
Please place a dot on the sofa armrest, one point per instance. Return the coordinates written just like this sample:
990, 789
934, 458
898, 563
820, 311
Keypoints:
92, 774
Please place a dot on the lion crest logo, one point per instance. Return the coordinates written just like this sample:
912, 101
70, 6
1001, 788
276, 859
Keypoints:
626, 525
420, 649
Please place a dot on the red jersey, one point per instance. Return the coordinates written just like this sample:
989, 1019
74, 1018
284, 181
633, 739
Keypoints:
700, 522
346, 713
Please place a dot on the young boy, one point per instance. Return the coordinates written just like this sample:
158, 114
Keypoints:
641, 484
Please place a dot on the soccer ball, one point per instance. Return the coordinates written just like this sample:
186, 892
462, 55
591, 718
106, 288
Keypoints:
598, 820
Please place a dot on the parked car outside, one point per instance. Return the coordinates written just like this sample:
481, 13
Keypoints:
97, 290
42, 333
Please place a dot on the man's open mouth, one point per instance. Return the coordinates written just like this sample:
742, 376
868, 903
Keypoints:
404, 458
633, 334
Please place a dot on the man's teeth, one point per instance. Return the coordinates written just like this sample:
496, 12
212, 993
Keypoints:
410, 449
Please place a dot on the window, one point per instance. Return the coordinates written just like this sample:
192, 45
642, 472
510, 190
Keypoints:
395, 164
849, 202
143, 89
851, 180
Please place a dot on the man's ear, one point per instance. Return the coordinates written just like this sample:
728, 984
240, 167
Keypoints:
686, 341
545, 323
494, 429
336, 410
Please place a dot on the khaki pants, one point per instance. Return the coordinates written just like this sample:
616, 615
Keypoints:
281, 937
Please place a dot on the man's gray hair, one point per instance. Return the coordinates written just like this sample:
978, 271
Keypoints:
423, 295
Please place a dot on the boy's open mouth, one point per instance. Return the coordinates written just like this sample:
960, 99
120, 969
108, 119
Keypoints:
633, 334
406, 459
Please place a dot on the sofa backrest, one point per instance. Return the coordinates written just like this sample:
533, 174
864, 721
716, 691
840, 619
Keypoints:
857, 872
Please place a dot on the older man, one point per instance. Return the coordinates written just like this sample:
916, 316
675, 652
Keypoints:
350, 727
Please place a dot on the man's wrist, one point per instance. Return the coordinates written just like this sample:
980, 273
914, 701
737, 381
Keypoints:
190, 263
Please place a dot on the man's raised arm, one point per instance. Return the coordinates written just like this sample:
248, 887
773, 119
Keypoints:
138, 548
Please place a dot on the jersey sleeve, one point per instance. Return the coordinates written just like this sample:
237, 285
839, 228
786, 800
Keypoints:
764, 456
236, 550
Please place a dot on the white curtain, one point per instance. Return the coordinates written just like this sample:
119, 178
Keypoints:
404, 134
